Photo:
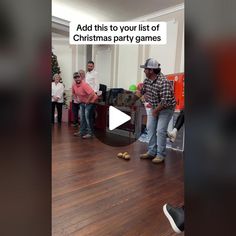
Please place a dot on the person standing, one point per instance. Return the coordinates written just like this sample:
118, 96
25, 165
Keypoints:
57, 98
87, 97
92, 77
82, 74
75, 100
159, 94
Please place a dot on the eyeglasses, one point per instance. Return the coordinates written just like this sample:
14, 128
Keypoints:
77, 76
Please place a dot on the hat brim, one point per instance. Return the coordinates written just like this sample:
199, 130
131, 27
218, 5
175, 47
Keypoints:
148, 67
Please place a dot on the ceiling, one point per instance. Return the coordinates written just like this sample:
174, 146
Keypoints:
108, 10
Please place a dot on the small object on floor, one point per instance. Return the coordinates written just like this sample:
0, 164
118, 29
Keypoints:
127, 157
120, 154
124, 155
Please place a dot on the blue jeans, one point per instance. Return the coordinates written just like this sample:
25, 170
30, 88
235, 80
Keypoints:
86, 118
157, 130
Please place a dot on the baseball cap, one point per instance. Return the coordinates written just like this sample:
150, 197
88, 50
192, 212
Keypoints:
151, 63
76, 74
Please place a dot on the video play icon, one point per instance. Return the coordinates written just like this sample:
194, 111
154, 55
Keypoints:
117, 118
116, 127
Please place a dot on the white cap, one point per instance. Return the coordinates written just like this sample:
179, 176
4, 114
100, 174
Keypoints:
151, 63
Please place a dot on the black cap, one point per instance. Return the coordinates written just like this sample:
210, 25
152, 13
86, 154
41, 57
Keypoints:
76, 74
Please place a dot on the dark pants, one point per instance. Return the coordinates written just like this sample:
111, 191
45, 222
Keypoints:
180, 120
59, 111
75, 110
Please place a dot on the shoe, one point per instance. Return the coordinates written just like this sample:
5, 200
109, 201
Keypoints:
172, 135
77, 133
75, 125
86, 136
146, 156
175, 215
158, 159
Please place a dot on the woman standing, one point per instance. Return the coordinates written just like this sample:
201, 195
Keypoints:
57, 97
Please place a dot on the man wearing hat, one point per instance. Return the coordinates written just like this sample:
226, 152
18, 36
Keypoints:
75, 102
159, 96
87, 97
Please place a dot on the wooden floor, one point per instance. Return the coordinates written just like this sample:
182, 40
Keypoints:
95, 193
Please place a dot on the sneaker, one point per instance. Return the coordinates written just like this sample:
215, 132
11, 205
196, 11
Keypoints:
77, 133
86, 136
158, 159
175, 215
172, 135
146, 156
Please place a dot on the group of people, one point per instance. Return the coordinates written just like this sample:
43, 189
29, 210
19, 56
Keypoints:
158, 96
85, 91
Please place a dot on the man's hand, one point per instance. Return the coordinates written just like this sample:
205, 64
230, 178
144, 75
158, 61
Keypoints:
155, 112
55, 98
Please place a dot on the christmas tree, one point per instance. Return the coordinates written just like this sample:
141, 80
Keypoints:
56, 70
55, 66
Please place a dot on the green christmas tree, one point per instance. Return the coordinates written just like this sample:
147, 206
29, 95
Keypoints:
55, 66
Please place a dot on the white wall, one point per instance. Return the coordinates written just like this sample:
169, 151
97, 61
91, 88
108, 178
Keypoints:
80, 58
182, 56
166, 54
127, 66
102, 60
70, 58
63, 51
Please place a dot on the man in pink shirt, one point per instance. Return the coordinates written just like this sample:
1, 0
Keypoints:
75, 101
87, 97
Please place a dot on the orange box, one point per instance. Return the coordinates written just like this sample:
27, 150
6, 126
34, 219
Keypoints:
178, 83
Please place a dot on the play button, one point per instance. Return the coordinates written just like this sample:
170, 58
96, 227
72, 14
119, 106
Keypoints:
117, 118
117, 126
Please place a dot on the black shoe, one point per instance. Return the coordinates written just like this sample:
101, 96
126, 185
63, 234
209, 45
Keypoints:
175, 215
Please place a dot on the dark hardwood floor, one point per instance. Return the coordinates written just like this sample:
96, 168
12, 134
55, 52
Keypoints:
95, 193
